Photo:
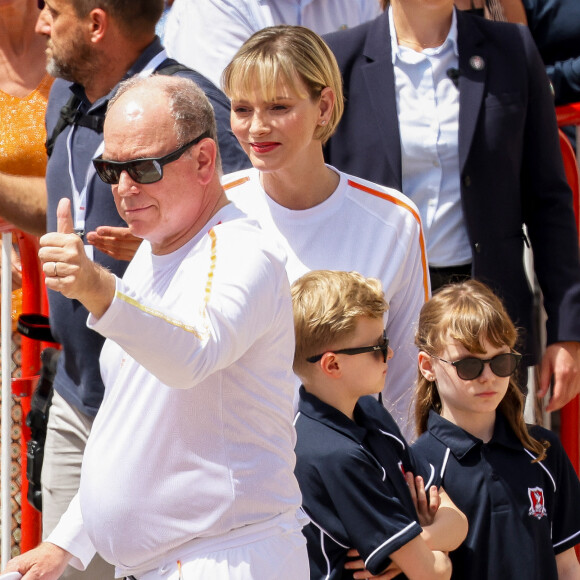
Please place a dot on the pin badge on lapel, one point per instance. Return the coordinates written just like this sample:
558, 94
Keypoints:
477, 63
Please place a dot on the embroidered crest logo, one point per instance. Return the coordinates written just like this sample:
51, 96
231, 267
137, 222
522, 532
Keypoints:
537, 508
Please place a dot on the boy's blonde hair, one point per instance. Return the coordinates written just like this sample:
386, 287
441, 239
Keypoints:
283, 54
470, 313
326, 305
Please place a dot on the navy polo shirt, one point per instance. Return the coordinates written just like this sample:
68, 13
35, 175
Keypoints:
521, 514
353, 487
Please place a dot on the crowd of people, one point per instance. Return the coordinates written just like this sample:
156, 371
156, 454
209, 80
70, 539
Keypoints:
241, 234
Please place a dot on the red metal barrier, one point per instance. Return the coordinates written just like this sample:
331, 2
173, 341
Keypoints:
33, 300
570, 414
568, 114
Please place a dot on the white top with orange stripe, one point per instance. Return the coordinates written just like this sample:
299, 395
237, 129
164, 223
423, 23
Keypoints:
194, 442
364, 227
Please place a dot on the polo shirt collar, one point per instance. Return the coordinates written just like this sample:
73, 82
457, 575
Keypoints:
451, 37
313, 407
150, 51
461, 442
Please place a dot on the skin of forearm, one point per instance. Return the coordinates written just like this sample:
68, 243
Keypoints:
23, 202
447, 531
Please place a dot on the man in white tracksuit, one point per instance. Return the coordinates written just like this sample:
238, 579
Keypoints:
188, 470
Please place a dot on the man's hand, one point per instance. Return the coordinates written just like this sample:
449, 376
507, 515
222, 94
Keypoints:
45, 562
118, 243
562, 361
69, 271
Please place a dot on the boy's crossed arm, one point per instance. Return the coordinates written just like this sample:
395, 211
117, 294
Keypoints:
444, 528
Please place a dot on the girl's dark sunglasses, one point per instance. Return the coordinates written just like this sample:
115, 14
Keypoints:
502, 365
383, 346
147, 170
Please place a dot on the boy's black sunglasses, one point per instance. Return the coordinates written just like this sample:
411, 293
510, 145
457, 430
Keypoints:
502, 365
383, 346
146, 170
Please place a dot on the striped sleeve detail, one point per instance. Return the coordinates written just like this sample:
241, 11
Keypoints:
236, 183
565, 540
391, 540
212, 264
207, 295
157, 314
414, 213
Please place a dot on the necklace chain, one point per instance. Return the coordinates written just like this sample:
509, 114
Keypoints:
417, 43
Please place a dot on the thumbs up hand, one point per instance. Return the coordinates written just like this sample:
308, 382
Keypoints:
64, 220
69, 271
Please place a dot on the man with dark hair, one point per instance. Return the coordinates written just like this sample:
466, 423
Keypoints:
188, 471
91, 46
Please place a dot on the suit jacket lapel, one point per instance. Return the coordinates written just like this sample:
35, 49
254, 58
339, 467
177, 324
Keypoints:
380, 84
473, 67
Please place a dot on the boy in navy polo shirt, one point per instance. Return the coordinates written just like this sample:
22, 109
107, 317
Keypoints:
353, 465
514, 482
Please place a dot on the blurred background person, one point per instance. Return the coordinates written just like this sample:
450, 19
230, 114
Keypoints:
206, 34
555, 26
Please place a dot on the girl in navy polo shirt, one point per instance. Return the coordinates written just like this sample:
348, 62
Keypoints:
514, 482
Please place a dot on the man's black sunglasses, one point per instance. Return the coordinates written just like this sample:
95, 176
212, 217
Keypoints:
40, 4
502, 365
383, 347
147, 170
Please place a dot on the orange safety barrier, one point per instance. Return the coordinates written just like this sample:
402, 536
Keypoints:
570, 414
33, 300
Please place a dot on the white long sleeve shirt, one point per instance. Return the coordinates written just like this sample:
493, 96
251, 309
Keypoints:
194, 439
364, 227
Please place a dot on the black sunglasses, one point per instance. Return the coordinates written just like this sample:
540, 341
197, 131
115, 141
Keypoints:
383, 347
147, 170
502, 365
40, 4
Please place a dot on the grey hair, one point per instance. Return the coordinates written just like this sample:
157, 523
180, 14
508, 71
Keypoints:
189, 107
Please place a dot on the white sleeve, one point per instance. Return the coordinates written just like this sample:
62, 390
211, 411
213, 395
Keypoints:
70, 535
405, 303
206, 34
196, 332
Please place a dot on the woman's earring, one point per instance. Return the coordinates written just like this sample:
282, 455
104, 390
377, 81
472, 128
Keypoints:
323, 122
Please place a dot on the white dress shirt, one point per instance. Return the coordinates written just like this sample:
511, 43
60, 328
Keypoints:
428, 111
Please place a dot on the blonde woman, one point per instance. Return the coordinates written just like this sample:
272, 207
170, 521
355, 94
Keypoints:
286, 95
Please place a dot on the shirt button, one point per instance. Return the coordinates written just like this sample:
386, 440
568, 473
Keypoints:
467, 181
435, 163
477, 247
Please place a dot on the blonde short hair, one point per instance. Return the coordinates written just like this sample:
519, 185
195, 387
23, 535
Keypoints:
327, 304
284, 54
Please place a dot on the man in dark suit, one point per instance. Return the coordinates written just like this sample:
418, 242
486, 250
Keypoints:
507, 167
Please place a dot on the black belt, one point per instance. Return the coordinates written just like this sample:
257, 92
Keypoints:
448, 275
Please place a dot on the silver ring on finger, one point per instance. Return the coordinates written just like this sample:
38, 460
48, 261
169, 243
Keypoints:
55, 273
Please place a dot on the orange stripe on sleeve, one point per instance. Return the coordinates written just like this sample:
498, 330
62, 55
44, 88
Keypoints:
236, 183
414, 213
